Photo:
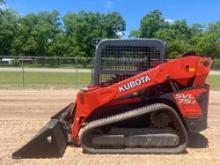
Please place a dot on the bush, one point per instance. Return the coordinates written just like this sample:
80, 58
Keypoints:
16, 62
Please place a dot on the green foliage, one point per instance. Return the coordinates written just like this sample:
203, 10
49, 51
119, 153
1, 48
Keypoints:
151, 23
16, 62
46, 34
134, 34
180, 37
83, 27
8, 28
207, 43
37, 32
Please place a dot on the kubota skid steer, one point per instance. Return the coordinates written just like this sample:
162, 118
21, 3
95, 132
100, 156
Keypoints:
138, 103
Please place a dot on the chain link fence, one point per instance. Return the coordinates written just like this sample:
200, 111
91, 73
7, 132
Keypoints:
45, 72
49, 72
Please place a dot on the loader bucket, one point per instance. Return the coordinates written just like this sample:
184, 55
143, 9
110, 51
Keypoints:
49, 142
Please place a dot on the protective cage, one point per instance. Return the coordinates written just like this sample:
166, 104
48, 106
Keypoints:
117, 60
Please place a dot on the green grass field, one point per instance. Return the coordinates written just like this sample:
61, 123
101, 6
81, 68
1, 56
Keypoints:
62, 80
43, 80
214, 81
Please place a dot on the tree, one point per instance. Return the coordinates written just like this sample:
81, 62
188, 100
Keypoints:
135, 34
114, 25
180, 37
59, 46
175, 44
45, 31
207, 43
8, 30
37, 33
182, 29
81, 28
24, 43
197, 28
207, 40
46, 34
151, 23
214, 27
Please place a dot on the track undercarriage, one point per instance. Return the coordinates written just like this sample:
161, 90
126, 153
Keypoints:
112, 134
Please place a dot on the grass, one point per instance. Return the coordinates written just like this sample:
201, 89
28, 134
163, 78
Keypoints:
214, 81
43, 80
62, 80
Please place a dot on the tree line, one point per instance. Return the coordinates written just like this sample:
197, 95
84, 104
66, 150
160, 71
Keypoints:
49, 34
180, 36
46, 34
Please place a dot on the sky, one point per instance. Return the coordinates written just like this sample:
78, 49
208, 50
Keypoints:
194, 11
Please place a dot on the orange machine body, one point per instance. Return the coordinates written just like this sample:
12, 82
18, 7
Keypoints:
181, 70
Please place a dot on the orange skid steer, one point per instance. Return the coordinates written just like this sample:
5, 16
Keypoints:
138, 102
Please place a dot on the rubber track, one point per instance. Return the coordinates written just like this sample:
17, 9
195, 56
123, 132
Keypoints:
131, 114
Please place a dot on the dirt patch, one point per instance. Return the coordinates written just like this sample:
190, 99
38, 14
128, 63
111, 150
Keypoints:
23, 113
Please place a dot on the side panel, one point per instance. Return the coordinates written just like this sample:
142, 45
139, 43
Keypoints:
193, 105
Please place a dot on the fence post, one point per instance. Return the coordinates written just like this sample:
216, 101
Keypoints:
76, 65
92, 70
22, 65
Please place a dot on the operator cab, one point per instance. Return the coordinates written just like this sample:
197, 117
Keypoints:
119, 59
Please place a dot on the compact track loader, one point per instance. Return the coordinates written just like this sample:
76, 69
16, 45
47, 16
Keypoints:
138, 102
